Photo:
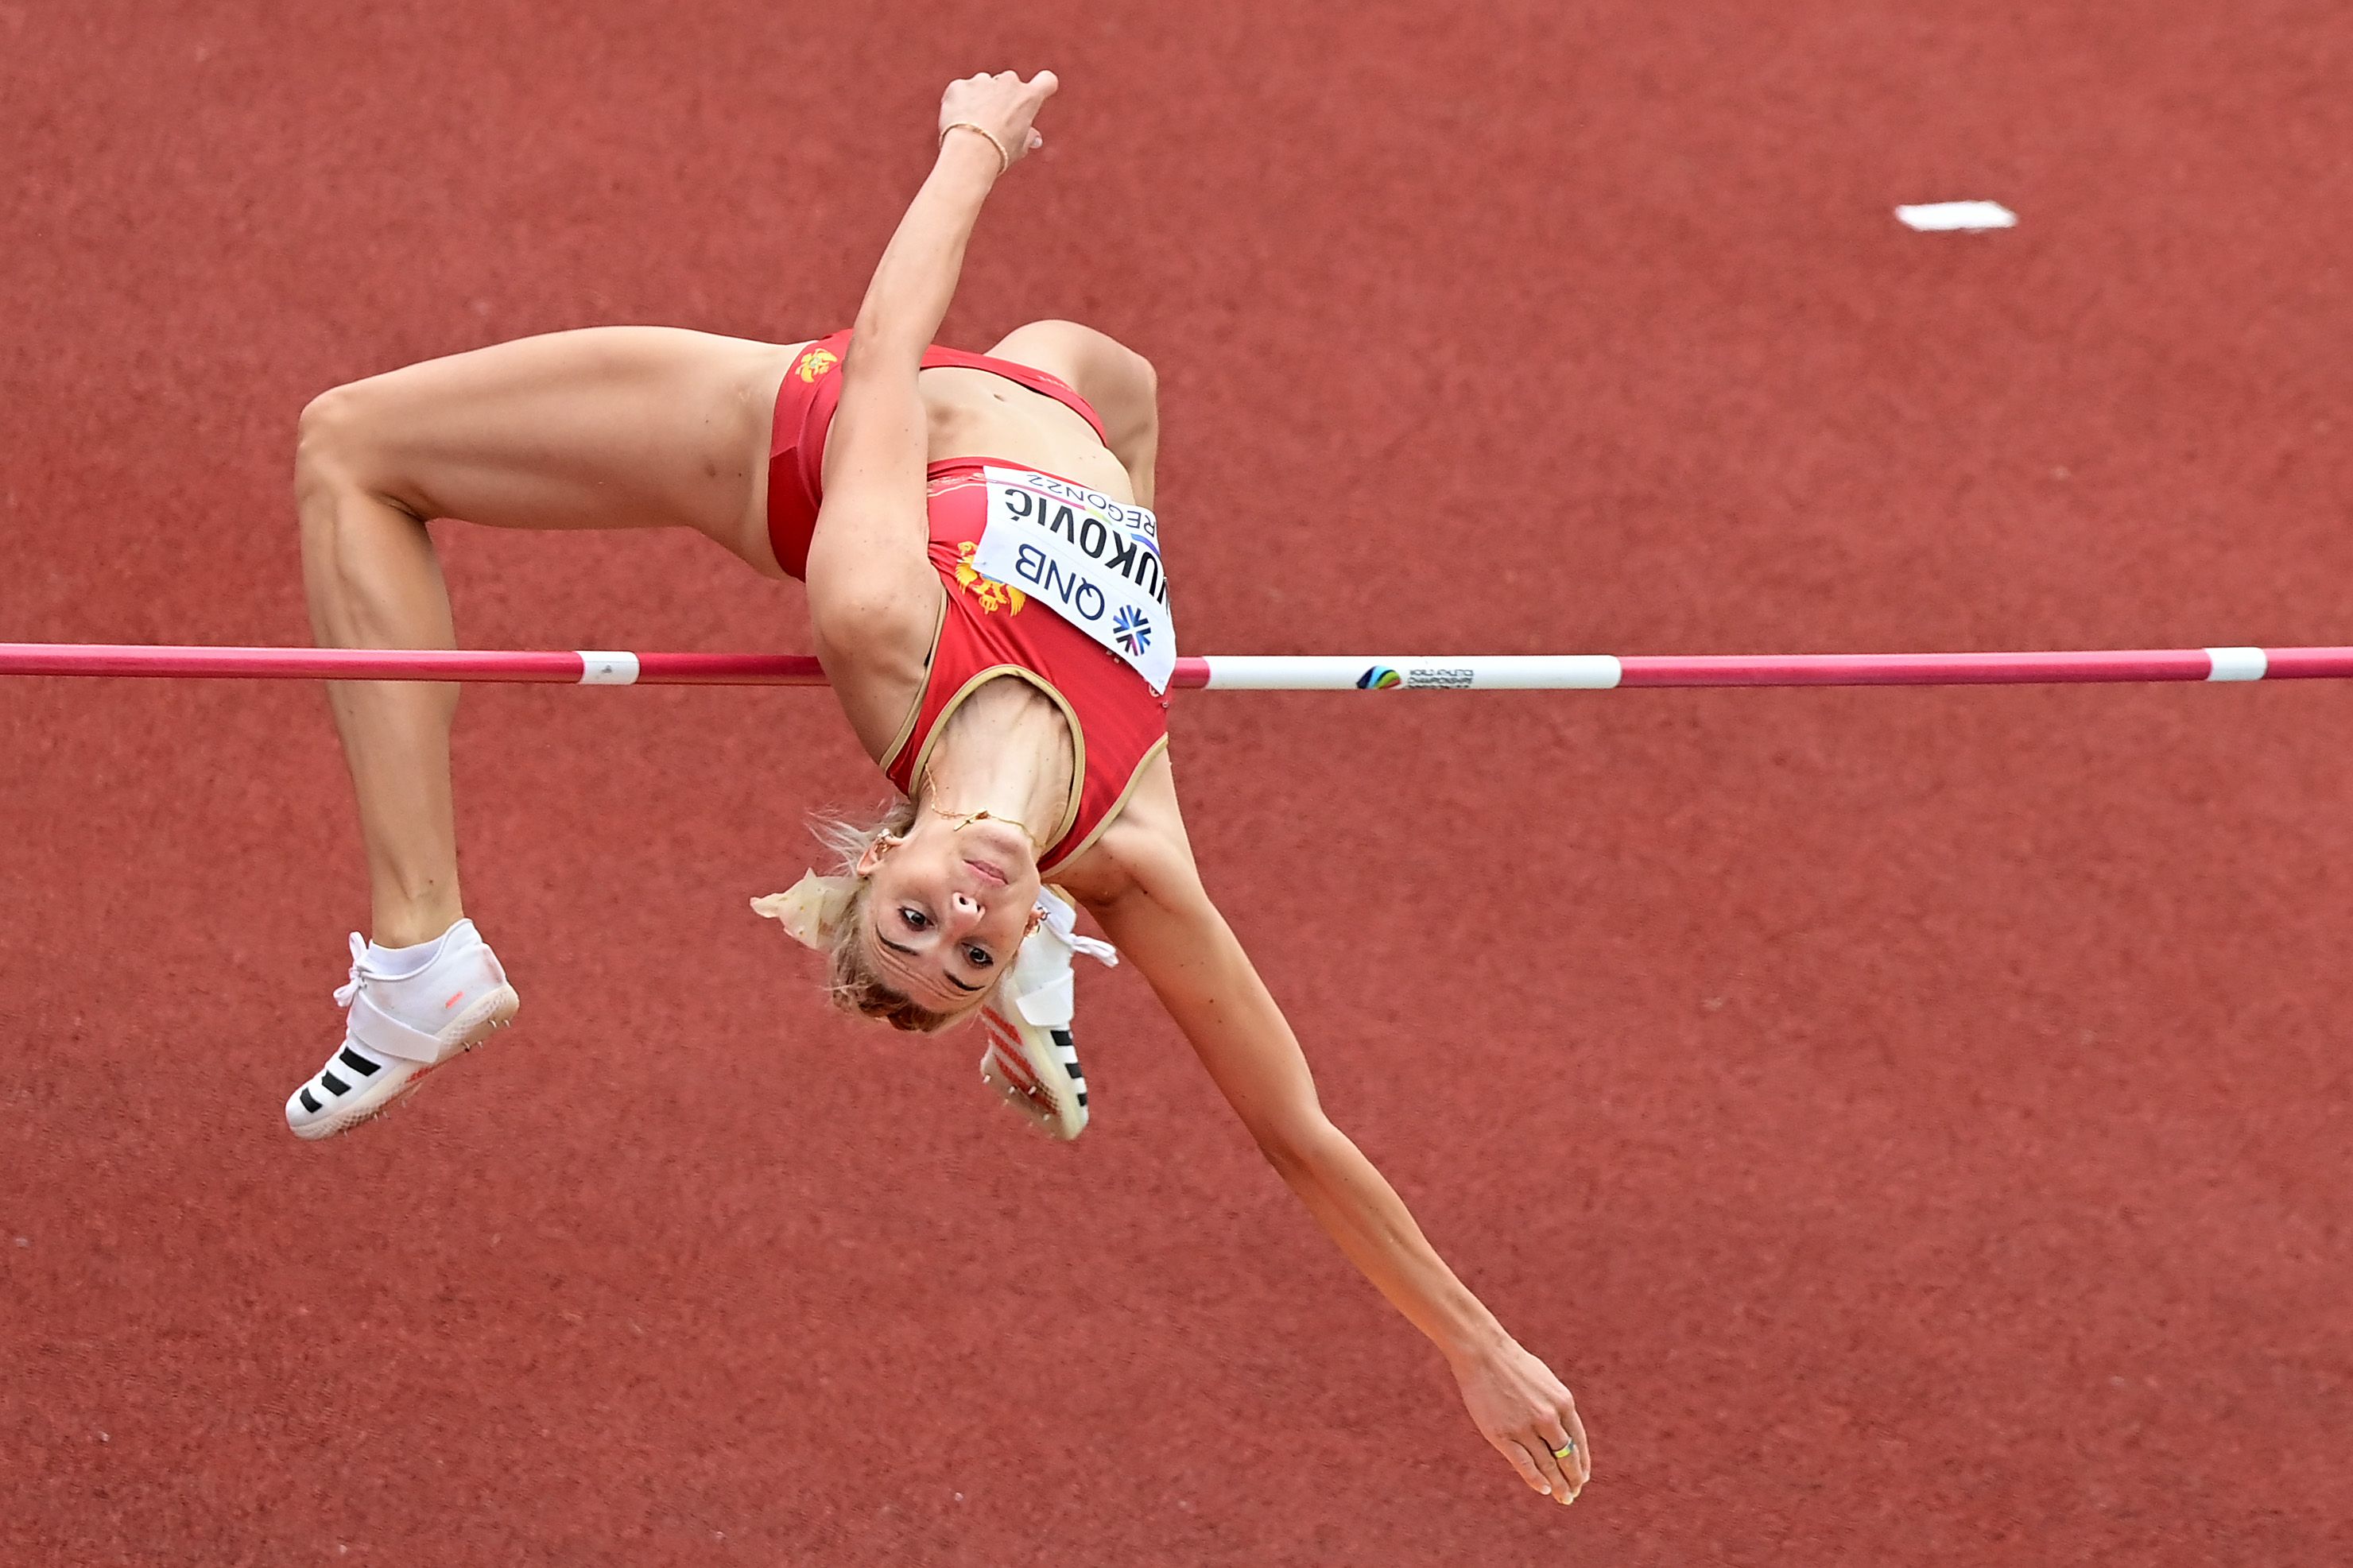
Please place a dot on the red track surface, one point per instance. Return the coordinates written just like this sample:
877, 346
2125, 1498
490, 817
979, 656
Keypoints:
1915, 1123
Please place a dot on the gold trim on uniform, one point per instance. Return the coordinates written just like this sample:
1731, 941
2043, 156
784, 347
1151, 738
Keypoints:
922, 689
1070, 717
1156, 749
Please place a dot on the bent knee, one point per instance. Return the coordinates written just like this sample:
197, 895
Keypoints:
1100, 366
339, 445
1131, 404
1129, 384
331, 434
1139, 385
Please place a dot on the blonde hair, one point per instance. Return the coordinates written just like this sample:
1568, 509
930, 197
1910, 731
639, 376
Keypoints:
851, 982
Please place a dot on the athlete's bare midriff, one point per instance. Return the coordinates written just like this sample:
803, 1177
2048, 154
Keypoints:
976, 414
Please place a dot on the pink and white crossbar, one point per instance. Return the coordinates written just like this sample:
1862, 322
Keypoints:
1225, 672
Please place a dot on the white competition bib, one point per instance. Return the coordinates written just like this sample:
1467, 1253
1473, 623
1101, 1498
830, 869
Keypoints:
1093, 561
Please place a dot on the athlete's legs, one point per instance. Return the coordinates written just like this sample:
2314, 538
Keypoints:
609, 427
1119, 382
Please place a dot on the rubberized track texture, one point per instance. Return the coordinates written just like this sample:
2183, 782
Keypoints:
1915, 1123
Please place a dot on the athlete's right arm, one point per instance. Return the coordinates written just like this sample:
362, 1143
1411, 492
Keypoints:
866, 571
1156, 909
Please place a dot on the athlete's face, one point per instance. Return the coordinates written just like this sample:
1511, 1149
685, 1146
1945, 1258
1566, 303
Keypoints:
947, 908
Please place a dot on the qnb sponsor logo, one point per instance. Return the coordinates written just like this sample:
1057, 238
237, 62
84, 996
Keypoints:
1131, 555
1065, 590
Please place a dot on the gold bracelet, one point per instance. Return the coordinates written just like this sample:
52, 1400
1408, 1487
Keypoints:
1004, 158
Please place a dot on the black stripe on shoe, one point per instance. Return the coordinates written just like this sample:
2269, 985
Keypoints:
1069, 1052
357, 1063
309, 1104
332, 1084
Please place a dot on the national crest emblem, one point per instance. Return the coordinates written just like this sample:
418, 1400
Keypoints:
815, 361
993, 595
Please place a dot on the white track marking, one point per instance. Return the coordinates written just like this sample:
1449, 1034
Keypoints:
1956, 218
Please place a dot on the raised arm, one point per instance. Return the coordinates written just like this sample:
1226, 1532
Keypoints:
1167, 926
866, 567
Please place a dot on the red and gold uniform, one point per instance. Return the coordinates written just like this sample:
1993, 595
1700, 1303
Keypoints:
989, 626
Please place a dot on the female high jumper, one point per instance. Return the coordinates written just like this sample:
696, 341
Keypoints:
986, 590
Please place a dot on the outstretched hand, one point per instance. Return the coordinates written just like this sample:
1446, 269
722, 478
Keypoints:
1526, 1413
1000, 107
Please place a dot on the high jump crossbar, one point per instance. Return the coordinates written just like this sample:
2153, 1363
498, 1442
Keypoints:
1236, 672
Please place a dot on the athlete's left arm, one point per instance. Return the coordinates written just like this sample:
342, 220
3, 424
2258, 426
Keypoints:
1163, 920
